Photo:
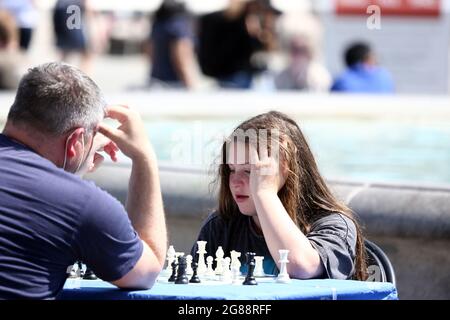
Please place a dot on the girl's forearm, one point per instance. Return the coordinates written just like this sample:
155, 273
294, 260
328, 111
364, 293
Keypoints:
280, 232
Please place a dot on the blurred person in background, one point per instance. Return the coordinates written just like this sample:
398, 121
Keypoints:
171, 47
303, 72
363, 74
26, 16
70, 37
229, 40
10, 58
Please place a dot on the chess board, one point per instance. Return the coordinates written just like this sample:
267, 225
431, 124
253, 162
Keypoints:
216, 281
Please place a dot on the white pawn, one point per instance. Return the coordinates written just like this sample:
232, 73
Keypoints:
210, 271
259, 269
170, 257
226, 272
235, 274
189, 270
71, 270
283, 276
219, 259
201, 269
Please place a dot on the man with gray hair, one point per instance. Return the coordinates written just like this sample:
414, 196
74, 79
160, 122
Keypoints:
49, 216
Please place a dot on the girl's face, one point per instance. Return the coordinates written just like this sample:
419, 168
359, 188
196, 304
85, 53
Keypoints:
240, 188
239, 181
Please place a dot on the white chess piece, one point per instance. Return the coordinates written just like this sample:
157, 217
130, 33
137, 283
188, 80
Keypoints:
235, 259
201, 268
259, 269
189, 270
226, 272
71, 270
170, 257
219, 260
210, 271
283, 276
235, 274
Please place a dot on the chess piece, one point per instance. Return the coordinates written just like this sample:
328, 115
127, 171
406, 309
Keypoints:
80, 270
170, 257
283, 276
181, 272
195, 278
210, 271
174, 271
189, 270
235, 274
178, 254
219, 261
201, 257
259, 269
226, 272
72, 272
89, 274
235, 259
250, 279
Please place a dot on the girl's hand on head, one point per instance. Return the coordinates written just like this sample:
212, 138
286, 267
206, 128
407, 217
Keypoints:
266, 176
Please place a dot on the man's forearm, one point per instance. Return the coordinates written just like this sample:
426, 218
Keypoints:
144, 204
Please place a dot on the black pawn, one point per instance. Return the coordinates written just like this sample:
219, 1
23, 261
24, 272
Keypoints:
89, 274
250, 279
174, 271
80, 269
195, 278
181, 274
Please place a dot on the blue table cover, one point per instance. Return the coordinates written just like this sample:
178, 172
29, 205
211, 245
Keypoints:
327, 289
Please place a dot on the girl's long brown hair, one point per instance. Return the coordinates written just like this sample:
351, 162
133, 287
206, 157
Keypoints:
305, 195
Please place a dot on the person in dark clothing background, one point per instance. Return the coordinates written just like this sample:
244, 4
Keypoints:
229, 39
73, 39
171, 46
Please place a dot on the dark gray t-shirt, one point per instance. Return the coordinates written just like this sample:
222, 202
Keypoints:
333, 236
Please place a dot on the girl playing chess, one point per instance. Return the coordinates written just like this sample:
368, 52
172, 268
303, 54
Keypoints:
272, 197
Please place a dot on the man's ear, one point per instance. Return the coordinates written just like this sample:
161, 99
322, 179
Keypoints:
72, 141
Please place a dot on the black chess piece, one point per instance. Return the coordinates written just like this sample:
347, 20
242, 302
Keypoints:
89, 274
174, 271
250, 279
181, 272
194, 278
80, 269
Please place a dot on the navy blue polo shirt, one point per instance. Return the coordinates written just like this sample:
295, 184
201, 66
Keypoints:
49, 219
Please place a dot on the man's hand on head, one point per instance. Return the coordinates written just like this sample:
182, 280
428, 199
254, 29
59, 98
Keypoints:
130, 136
102, 144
